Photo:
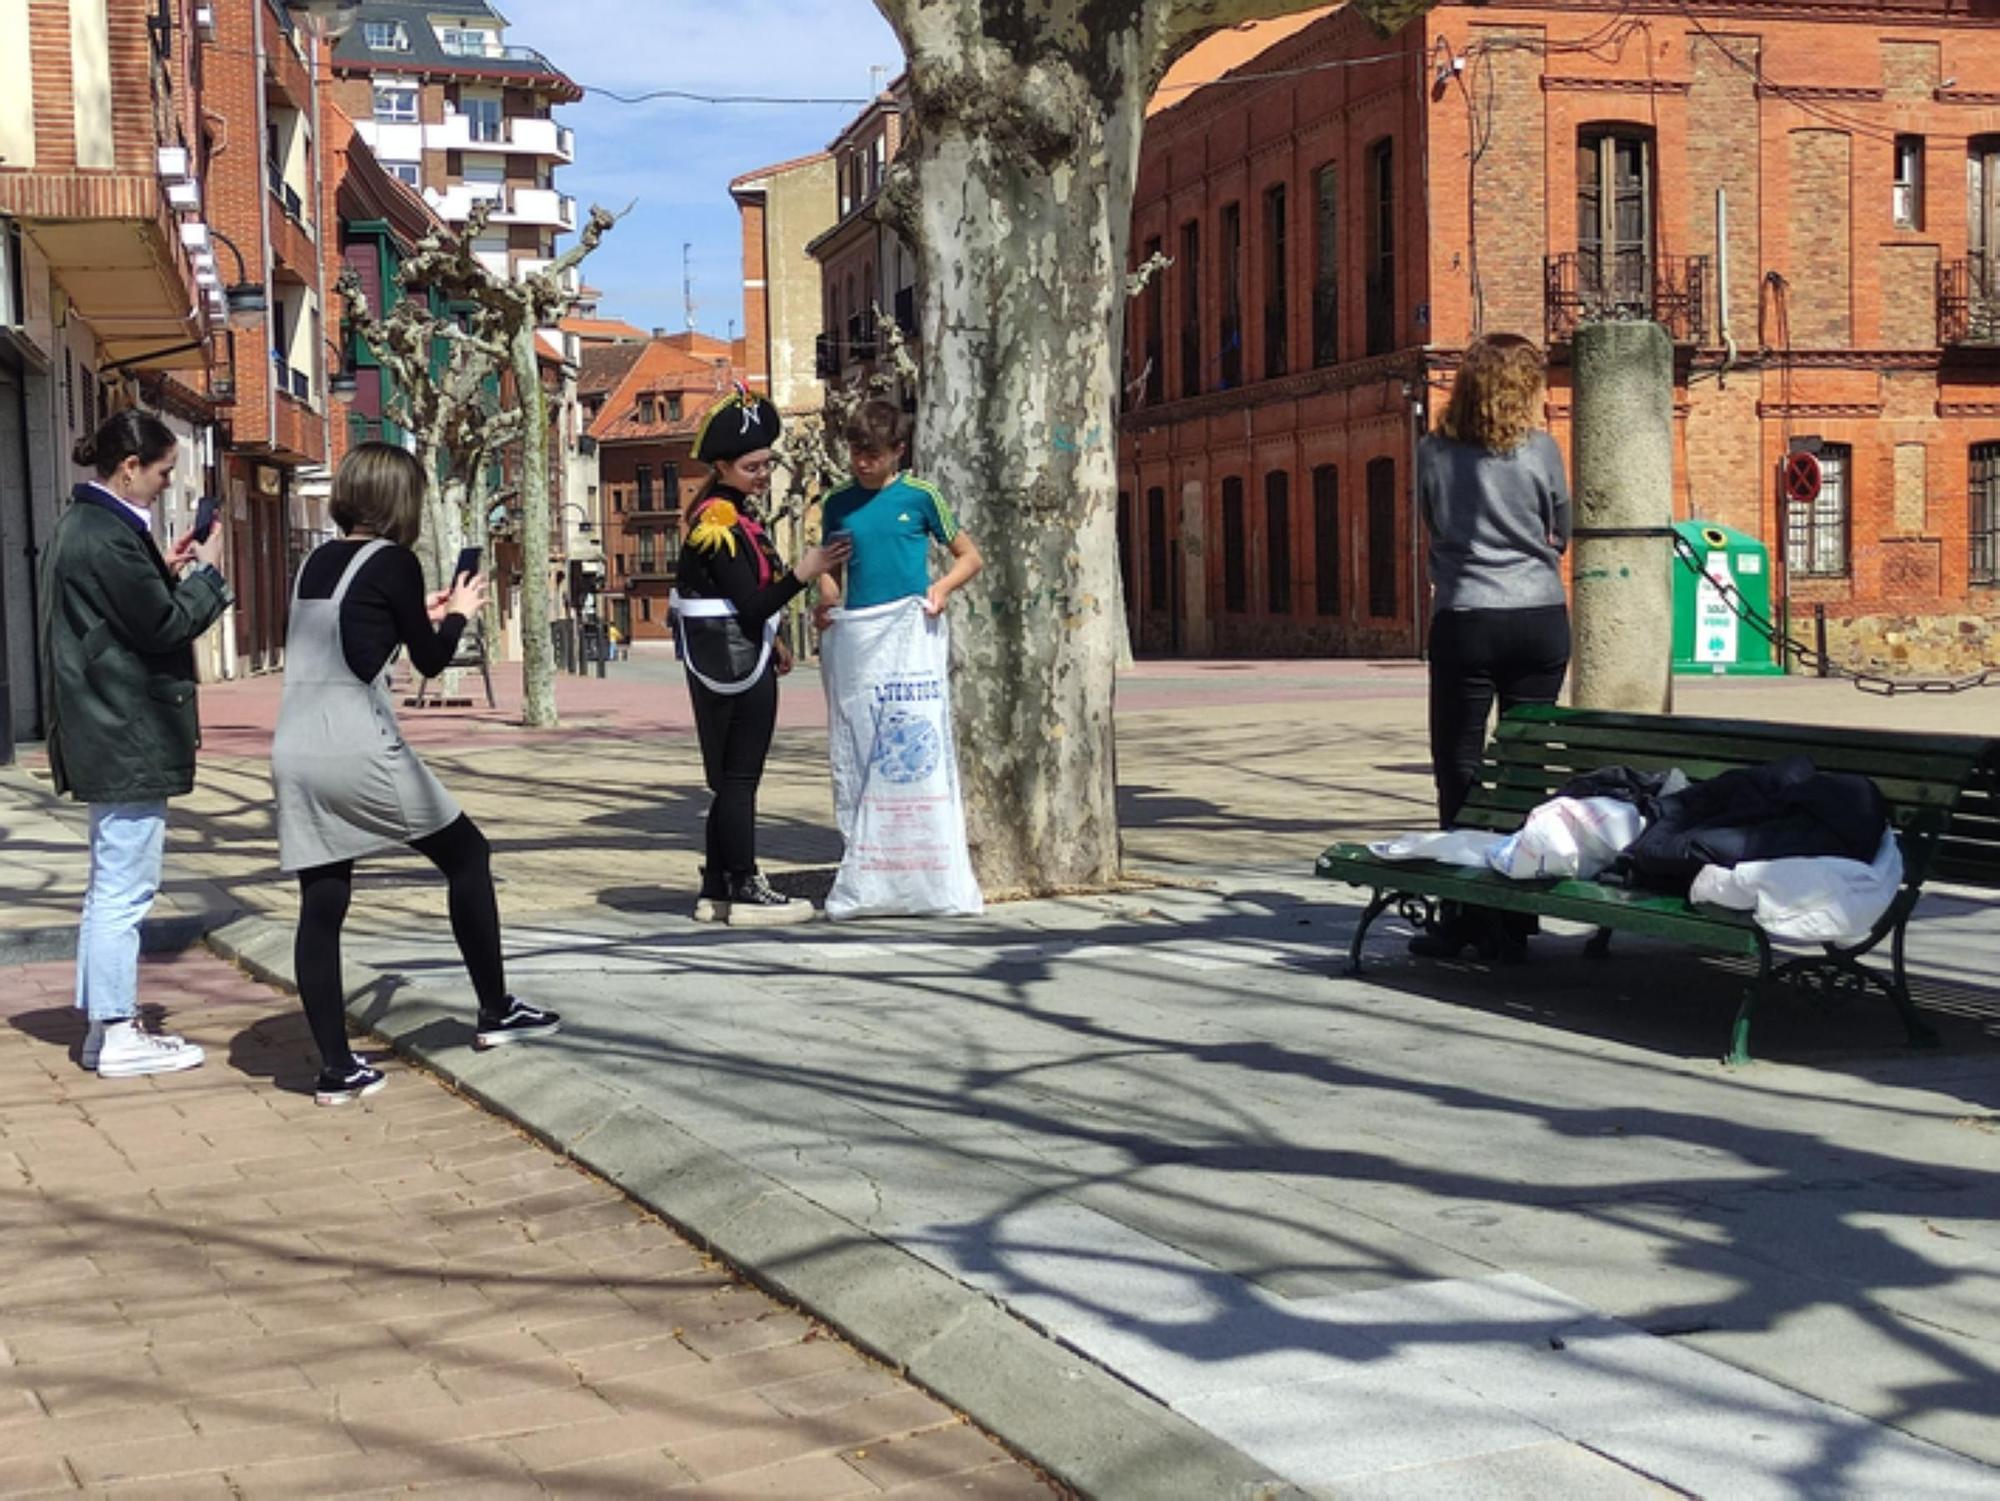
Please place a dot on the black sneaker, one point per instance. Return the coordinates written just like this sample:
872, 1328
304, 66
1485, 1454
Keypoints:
754, 904
519, 1022
340, 1089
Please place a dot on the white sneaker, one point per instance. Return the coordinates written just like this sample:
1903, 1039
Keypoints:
129, 1050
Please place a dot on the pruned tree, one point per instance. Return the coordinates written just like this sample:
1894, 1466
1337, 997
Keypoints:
1015, 191
500, 329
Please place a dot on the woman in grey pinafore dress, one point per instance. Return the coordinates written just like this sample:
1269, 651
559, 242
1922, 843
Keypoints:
347, 784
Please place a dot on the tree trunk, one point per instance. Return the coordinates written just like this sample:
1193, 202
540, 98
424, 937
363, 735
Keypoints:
538, 652
1023, 263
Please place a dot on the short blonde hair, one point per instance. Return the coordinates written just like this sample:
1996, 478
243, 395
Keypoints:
1497, 396
379, 487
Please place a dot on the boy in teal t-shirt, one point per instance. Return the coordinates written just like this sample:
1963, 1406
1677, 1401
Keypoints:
893, 518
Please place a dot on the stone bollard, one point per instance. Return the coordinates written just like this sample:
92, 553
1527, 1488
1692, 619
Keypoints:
1623, 568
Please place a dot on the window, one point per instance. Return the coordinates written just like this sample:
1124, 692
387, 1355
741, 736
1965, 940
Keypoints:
1382, 568
1191, 309
1156, 549
396, 103
1232, 296
1816, 534
670, 474
385, 36
1235, 565
1326, 267
1155, 311
1983, 217
1614, 221
649, 556
1278, 542
461, 42
1985, 521
409, 172
1382, 247
642, 474
482, 117
1907, 203
1277, 315
1326, 540
645, 607
673, 400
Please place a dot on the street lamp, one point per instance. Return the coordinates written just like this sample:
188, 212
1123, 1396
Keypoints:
245, 297
329, 19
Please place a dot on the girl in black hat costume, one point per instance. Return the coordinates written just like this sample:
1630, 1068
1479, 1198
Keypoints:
729, 590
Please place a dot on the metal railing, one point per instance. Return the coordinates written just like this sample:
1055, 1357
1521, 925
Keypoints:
1590, 288
1968, 301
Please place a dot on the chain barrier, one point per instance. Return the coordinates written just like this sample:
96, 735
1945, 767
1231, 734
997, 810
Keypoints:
1868, 682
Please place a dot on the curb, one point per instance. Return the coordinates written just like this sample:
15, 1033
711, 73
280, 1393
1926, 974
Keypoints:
54, 943
1045, 1402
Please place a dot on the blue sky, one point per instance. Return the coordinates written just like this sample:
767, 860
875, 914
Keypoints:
675, 158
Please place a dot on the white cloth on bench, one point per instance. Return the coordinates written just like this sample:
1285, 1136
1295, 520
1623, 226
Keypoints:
1569, 838
1471, 847
1808, 898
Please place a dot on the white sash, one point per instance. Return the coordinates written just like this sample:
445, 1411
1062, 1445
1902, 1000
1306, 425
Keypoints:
719, 609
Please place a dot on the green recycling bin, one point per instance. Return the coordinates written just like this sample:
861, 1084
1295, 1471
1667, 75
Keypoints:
1709, 636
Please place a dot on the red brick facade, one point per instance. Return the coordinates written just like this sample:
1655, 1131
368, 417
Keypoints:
1265, 503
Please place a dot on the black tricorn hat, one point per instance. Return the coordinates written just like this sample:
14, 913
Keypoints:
738, 424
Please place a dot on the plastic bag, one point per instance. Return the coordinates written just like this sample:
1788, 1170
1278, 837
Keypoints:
1569, 837
895, 766
1808, 898
1472, 847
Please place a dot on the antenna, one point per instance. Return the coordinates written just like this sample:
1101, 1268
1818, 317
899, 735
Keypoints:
687, 282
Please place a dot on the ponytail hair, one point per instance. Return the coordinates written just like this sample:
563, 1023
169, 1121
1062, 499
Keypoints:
130, 434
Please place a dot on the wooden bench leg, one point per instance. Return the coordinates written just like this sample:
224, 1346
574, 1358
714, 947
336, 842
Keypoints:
1378, 903
1599, 946
1739, 1032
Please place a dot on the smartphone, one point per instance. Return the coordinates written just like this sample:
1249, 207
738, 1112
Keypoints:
204, 517
468, 564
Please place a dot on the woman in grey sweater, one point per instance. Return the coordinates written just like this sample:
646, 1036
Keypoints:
1497, 505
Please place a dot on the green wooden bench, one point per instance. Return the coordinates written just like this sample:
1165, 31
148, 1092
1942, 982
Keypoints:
1943, 792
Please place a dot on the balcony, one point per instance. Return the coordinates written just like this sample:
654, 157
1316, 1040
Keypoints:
861, 332
287, 195
524, 134
1669, 290
289, 379
1968, 302
826, 357
572, 279
539, 206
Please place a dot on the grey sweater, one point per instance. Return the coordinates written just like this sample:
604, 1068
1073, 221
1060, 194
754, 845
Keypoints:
1499, 523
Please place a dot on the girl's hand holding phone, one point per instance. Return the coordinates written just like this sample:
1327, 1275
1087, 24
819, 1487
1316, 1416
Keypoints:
467, 597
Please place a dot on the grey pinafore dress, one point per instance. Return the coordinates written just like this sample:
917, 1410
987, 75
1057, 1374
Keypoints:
347, 785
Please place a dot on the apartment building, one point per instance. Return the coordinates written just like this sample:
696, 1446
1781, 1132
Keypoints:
452, 108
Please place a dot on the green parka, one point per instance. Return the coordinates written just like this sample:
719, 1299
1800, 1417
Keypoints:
117, 640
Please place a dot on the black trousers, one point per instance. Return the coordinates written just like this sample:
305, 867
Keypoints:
1518, 656
735, 731
461, 852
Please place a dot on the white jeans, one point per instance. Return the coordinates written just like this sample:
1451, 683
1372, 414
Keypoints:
127, 844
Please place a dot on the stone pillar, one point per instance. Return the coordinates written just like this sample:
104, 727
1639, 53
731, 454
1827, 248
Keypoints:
1624, 458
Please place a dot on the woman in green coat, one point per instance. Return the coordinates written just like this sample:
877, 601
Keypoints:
118, 626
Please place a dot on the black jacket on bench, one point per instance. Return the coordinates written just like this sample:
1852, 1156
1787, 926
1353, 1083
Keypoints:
1784, 809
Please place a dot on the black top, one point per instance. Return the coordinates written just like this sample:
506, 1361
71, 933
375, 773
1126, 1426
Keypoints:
720, 573
384, 609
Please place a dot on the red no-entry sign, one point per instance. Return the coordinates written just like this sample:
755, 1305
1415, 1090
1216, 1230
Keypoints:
1802, 479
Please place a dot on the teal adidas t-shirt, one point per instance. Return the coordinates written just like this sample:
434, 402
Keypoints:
893, 529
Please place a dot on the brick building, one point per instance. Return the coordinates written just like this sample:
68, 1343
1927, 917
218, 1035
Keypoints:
783, 208
109, 295
646, 419
864, 264
1341, 231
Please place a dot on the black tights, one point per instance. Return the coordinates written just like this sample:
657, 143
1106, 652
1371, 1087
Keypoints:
462, 853
735, 731
1518, 656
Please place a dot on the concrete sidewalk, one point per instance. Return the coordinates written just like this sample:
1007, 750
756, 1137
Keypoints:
1443, 1231
210, 1287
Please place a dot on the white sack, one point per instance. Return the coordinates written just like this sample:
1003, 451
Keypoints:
1446, 846
1569, 837
895, 766
1808, 898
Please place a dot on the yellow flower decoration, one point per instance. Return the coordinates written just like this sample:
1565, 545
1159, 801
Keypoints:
716, 528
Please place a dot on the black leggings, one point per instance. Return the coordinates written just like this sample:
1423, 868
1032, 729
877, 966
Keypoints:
1518, 655
735, 732
462, 853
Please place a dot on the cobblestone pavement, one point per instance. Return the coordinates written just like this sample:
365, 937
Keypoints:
210, 1286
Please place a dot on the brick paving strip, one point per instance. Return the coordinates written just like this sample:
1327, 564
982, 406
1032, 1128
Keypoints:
210, 1286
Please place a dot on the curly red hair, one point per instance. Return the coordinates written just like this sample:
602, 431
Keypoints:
1496, 399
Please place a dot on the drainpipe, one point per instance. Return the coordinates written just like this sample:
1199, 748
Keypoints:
1722, 285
